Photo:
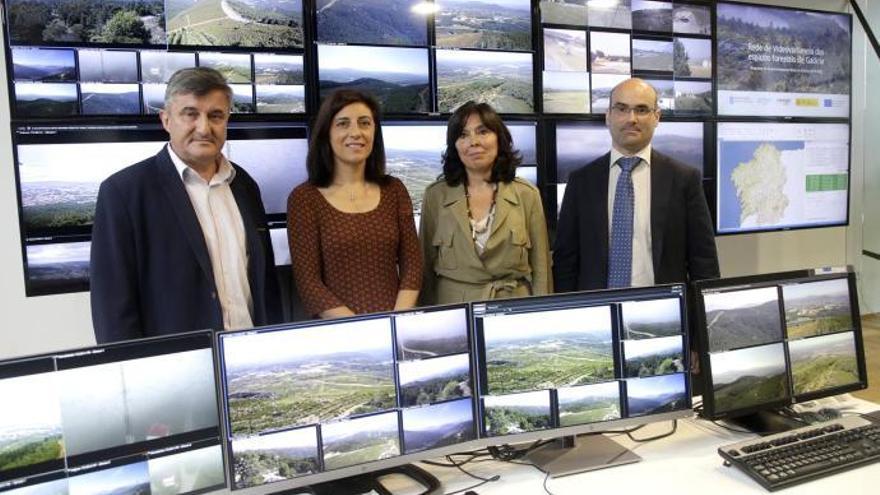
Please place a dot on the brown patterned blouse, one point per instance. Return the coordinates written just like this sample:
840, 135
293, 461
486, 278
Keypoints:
358, 260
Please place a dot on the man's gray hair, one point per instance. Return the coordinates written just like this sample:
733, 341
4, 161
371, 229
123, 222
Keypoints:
198, 81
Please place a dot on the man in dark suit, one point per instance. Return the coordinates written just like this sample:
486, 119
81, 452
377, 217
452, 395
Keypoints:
180, 240
663, 231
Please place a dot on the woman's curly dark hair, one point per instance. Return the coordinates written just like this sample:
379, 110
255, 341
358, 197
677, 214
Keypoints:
504, 168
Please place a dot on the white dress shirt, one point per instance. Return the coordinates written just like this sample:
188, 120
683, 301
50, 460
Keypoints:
642, 259
223, 228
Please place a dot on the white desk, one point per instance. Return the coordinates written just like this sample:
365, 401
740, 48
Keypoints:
684, 463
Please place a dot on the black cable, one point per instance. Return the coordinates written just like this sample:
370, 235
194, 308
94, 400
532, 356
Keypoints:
655, 437
458, 465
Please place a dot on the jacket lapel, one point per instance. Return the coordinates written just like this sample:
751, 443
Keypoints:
505, 200
661, 188
455, 200
175, 193
256, 261
598, 189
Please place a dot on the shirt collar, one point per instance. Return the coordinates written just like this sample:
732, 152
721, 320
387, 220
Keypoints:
225, 172
644, 154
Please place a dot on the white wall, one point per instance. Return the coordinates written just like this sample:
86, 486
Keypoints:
41, 324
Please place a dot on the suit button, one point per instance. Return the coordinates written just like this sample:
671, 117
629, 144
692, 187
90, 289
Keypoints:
213, 295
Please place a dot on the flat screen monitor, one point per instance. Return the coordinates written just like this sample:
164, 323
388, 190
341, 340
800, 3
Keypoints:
492, 24
312, 402
774, 61
502, 79
133, 417
768, 341
566, 364
59, 170
259, 24
579, 143
377, 22
396, 76
775, 176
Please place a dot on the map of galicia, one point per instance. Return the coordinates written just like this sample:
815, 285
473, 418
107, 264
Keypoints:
759, 181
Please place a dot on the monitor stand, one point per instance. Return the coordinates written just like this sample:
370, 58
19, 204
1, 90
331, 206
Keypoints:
765, 422
370, 482
567, 455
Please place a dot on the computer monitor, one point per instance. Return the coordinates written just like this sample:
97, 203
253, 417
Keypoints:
581, 362
769, 341
133, 417
318, 401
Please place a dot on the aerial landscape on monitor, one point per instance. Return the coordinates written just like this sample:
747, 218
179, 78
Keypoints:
742, 318
131, 22
434, 380
370, 21
356, 441
817, 308
656, 394
748, 377
485, 24
30, 432
275, 457
823, 363
658, 356
504, 80
518, 413
235, 23
438, 425
650, 319
307, 381
589, 403
525, 353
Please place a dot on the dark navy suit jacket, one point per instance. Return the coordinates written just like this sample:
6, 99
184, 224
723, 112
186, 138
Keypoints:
150, 269
682, 237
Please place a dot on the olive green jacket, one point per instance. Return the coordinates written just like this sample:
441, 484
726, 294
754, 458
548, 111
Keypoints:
516, 261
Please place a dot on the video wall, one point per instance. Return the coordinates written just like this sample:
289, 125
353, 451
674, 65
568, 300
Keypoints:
86, 79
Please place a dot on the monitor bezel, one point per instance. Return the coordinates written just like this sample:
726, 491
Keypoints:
699, 331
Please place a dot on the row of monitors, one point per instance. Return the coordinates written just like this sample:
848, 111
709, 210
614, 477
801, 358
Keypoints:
807, 76
262, 24
396, 387
769, 176
53, 82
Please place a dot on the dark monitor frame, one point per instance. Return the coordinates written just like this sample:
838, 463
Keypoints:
349, 471
579, 300
699, 331
119, 455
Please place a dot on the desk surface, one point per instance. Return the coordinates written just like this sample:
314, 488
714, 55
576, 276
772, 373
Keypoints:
684, 463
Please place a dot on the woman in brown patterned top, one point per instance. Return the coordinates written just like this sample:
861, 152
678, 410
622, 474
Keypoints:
352, 237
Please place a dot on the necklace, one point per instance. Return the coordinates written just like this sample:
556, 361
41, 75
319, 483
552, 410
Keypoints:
481, 226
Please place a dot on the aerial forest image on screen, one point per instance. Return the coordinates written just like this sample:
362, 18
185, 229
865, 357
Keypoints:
749, 377
130, 22
817, 308
244, 23
736, 319
823, 363
538, 351
30, 433
779, 50
492, 24
303, 376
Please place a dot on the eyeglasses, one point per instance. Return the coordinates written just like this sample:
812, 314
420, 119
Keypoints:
623, 109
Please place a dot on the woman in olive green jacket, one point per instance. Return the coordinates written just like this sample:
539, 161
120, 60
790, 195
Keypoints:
483, 231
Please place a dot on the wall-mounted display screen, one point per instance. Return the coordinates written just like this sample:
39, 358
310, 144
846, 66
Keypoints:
652, 55
610, 53
397, 77
486, 24
502, 79
691, 19
117, 22
107, 66
579, 143
235, 23
235, 67
376, 22
781, 175
44, 65
158, 430
783, 62
692, 57
652, 16
60, 169
609, 13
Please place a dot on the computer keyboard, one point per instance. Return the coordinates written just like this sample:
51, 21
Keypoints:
785, 459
